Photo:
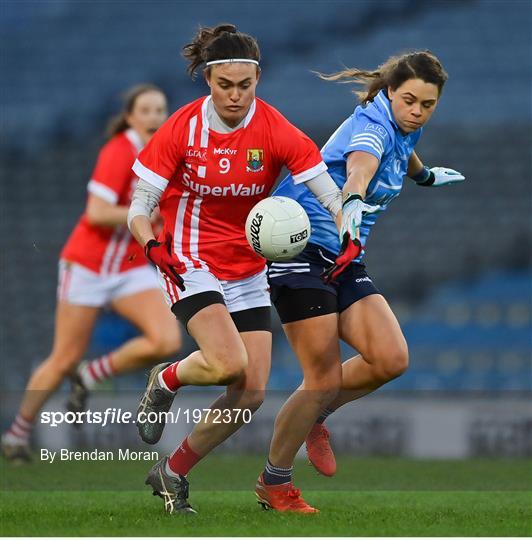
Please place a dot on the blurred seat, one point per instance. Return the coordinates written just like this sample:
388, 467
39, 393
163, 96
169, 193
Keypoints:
65, 65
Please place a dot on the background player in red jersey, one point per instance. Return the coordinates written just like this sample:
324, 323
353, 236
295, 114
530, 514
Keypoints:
101, 264
207, 167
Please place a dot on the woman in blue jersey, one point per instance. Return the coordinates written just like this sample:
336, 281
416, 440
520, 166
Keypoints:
325, 294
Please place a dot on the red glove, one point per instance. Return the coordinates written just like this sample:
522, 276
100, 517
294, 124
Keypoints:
349, 250
160, 254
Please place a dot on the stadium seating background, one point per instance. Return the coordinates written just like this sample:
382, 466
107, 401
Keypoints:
454, 262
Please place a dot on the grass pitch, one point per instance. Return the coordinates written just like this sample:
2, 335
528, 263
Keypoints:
368, 497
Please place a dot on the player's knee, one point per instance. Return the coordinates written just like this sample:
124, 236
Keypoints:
229, 369
393, 363
164, 344
323, 375
326, 395
227, 375
325, 382
167, 344
63, 364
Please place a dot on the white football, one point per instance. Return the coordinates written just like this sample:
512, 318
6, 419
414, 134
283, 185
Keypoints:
278, 228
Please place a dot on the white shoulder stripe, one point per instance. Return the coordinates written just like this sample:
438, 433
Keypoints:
102, 191
368, 133
369, 145
368, 136
152, 178
363, 138
309, 173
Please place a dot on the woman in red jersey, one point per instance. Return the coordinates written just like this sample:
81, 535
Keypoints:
101, 264
207, 166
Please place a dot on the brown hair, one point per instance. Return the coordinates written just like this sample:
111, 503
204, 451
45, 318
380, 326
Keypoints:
393, 73
218, 43
118, 123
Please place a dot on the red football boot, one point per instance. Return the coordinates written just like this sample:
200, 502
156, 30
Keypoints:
319, 451
283, 498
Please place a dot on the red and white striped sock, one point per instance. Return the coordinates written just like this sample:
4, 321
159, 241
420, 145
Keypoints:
96, 371
20, 430
168, 378
182, 460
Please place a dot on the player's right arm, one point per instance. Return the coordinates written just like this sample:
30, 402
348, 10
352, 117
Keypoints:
155, 167
360, 169
363, 154
145, 198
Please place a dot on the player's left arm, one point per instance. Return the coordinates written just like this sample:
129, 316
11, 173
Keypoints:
329, 195
433, 177
110, 178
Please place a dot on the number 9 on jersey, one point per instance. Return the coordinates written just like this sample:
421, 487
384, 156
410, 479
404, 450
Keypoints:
277, 228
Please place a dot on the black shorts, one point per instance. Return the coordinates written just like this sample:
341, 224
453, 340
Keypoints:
298, 292
246, 320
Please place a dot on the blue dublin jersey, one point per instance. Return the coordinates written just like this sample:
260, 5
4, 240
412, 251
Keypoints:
371, 128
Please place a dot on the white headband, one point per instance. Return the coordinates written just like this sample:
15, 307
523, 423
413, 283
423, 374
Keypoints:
232, 61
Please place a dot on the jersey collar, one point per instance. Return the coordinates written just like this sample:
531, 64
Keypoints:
205, 120
382, 104
134, 138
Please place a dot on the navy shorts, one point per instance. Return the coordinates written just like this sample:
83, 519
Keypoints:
298, 292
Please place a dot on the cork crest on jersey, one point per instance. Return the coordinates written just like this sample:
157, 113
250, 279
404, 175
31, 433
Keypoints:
255, 160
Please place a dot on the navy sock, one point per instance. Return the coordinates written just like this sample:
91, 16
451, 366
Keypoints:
276, 475
325, 413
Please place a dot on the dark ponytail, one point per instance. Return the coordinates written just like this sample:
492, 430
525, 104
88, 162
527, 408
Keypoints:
118, 123
393, 73
218, 43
